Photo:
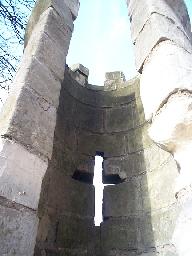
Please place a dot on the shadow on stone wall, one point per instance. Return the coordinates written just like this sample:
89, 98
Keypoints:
112, 122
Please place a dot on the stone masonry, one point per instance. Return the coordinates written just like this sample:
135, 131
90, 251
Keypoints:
28, 122
163, 49
54, 123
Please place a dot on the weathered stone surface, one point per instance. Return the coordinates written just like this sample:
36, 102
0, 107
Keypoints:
58, 29
122, 200
117, 252
141, 11
138, 139
113, 80
77, 197
183, 228
21, 174
177, 136
122, 166
178, 132
37, 76
164, 250
41, 6
68, 137
86, 164
170, 66
110, 145
126, 229
157, 229
131, 165
80, 74
29, 119
18, 232
65, 130
47, 50
80, 78
158, 187
155, 157
73, 6
89, 118
117, 75
74, 232
138, 113
119, 119
80, 68
163, 29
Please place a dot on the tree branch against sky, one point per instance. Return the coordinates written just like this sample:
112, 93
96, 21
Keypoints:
13, 19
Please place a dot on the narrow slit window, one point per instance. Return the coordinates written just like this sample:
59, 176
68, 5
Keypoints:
97, 182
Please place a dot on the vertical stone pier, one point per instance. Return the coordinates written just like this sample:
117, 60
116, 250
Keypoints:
161, 33
28, 120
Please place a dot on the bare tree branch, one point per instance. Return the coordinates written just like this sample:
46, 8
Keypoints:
14, 15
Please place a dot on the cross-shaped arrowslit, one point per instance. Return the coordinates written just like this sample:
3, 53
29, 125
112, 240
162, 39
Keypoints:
100, 181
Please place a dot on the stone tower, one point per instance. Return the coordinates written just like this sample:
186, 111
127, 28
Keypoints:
54, 123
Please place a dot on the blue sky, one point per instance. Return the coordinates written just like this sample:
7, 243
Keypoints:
101, 40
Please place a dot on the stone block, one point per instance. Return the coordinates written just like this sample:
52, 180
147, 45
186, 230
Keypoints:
77, 197
111, 85
119, 119
138, 139
119, 234
29, 119
122, 200
21, 174
80, 68
110, 145
177, 136
170, 66
80, 78
158, 187
131, 165
18, 231
125, 167
182, 230
74, 232
157, 230
73, 6
58, 29
48, 51
63, 161
113, 80
65, 130
141, 11
66, 133
116, 252
41, 6
86, 164
117, 75
88, 118
154, 157
80, 74
160, 29
138, 113
37, 76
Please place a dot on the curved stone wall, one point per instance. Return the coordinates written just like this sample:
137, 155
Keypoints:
138, 211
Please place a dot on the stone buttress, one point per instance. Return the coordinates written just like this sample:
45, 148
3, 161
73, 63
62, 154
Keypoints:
161, 33
27, 123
